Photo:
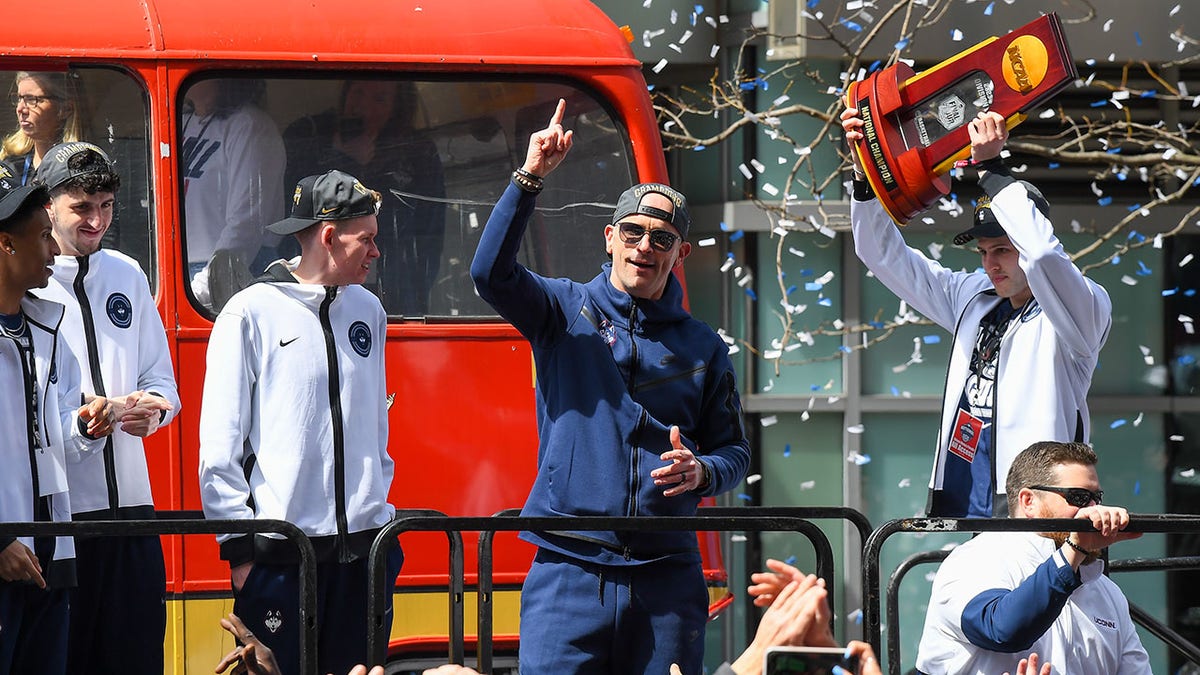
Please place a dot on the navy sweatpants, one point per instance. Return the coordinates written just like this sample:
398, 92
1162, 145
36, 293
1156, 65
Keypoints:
269, 605
120, 603
33, 630
587, 619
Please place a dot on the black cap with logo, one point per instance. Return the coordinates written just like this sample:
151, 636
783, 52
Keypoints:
986, 224
334, 195
630, 203
66, 161
13, 195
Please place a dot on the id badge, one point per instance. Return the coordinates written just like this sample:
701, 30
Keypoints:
966, 434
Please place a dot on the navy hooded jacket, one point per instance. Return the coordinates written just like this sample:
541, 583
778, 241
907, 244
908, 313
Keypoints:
614, 373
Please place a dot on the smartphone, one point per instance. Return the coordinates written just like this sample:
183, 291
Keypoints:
807, 661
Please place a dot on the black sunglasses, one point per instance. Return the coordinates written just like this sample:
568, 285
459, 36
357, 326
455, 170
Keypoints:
1075, 496
660, 240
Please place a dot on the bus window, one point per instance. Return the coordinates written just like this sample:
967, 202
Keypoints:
440, 152
103, 106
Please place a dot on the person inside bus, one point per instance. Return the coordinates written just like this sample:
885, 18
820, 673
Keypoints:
47, 114
293, 425
232, 162
372, 134
638, 413
45, 429
114, 329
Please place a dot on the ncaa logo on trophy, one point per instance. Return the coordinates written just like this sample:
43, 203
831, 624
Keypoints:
915, 126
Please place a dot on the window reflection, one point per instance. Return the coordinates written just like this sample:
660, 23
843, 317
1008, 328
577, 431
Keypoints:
440, 152
99, 105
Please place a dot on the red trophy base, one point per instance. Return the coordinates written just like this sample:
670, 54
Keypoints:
916, 126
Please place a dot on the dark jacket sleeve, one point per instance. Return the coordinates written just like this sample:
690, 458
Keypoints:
517, 294
1009, 621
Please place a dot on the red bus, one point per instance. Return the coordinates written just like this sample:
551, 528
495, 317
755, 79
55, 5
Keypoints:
445, 94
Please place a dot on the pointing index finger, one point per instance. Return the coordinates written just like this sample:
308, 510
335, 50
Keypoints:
559, 111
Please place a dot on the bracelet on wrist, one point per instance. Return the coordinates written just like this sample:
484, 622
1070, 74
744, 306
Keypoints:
525, 183
1077, 547
530, 175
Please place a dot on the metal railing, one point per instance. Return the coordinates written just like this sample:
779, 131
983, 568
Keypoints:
746, 519
1145, 523
176, 523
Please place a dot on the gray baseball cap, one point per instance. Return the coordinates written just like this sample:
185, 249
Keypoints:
334, 195
630, 203
66, 161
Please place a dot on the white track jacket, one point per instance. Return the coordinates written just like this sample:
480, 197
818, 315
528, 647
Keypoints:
1046, 359
295, 413
115, 331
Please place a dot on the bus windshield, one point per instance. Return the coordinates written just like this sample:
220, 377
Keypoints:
440, 152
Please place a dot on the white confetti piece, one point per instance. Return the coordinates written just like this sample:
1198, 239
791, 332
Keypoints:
1185, 260
1137, 421
770, 420
737, 538
745, 171
769, 355
658, 67
473, 220
1187, 473
770, 189
796, 252
708, 241
1177, 438
1107, 25
856, 429
956, 35
1128, 280
758, 166
1047, 114
858, 459
808, 485
904, 482
753, 478
712, 53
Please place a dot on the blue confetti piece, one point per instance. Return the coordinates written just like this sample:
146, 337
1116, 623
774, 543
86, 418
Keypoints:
1122, 177
745, 497
931, 339
813, 3
1142, 270
844, 349
725, 227
813, 286
1133, 234
748, 86
825, 302
1137, 487
1137, 37
1187, 360
649, 87
1053, 165
1113, 151
1196, 182
1104, 201
1169, 292
895, 391
787, 450
875, 324
1189, 292
1116, 423
1116, 260
699, 9
791, 560
751, 294
814, 387
791, 289
1150, 93
1100, 104
875, 66
987, 11
805, 272
902, 44
698, 148
736, 235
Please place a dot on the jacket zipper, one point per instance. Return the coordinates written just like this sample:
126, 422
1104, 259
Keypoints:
339, 440
635, 460
93, 357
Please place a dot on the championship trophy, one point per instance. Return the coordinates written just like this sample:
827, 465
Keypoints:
915, 126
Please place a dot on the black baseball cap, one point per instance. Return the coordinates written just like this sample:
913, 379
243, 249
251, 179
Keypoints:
13, 195
334, 195
986, 224
56, 168
630, 203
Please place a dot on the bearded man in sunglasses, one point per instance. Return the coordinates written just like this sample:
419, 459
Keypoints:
1002, 595
638, 415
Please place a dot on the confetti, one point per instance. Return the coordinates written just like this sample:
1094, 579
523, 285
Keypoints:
808, 485
856, 429
753, 478
708, 241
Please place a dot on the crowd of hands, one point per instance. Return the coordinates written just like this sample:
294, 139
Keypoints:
797, 615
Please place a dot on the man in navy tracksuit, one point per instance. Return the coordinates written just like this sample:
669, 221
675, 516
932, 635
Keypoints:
638, 414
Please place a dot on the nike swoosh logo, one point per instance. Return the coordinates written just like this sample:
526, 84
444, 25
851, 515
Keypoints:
284, 343
326, 211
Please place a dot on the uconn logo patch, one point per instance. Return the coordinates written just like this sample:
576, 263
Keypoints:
120, 310
360, 339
